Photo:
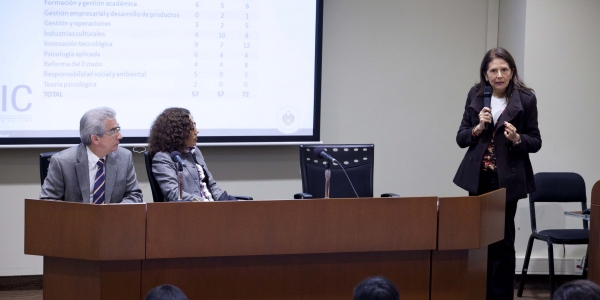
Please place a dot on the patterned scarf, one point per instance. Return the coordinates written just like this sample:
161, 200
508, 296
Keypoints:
204, 192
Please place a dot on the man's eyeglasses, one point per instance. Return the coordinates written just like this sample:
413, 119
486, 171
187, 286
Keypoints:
113, 131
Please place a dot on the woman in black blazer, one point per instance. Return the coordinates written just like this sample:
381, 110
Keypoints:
498, 154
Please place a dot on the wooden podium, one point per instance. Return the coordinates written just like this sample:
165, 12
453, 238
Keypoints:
466, 226
286, 249
90, 251
594, 246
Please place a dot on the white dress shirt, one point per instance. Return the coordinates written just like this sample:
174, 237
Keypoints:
498, 106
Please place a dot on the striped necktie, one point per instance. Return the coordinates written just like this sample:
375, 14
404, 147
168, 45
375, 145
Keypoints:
99, 183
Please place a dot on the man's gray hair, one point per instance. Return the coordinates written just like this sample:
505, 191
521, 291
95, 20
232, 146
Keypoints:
92, 123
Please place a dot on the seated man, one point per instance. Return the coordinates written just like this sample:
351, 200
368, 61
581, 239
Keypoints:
97, 170
376, 288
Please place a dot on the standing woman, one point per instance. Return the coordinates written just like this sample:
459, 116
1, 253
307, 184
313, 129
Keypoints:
498, 157
175, 130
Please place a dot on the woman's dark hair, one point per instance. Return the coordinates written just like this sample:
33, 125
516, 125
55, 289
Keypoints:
577, 289
170, 130
166, 292
376, 288
515, 83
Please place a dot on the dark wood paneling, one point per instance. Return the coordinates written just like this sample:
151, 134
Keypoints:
84, 279
596, 193
242, 228
459, 274
471, 222
310, 276
85, 231
493, 207
459, 219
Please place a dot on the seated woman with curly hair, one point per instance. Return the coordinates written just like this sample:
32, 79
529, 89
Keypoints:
175, 130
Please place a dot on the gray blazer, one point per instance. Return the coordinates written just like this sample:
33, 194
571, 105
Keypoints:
165, 172
69, 178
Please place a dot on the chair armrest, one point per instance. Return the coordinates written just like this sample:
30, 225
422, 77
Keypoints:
303, 196
242, 197
390, 195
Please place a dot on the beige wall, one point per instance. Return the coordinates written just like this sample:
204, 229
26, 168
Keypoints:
559, 42
395, 73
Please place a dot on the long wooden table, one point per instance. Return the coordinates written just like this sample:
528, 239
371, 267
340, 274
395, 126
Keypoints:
288, 249
293, 249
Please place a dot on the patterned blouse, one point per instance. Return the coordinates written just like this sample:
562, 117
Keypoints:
204, 192
488, 163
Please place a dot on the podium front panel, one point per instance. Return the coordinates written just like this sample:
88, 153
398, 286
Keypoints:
471, 222
467, 225
66, 278
290, 249
85, 231
243, 228
331, 276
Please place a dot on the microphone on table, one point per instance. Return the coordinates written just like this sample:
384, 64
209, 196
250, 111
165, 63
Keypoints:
176, 157
321, 153
487, 99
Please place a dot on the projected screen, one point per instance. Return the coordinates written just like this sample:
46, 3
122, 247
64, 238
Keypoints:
249, 71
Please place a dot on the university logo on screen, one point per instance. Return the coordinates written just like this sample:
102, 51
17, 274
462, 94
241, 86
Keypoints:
14, 104
13, 101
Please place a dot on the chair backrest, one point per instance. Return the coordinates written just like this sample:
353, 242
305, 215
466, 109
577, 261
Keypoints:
357, 160
44, 164
157, 195
557, 187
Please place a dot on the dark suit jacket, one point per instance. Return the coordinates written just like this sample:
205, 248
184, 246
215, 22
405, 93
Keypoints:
69, 178
514, 167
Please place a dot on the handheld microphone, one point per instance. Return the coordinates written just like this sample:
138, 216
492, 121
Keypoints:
176, 157
487, 98
320, 152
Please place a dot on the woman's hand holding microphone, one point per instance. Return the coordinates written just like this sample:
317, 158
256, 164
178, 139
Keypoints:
485, 116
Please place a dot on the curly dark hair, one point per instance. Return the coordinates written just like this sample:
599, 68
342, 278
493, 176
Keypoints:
170, 130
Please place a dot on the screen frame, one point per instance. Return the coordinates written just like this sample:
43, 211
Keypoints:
135, 141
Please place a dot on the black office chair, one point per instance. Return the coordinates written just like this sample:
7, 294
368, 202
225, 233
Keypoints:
357, 160
44, 164
556, 187
157, 195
